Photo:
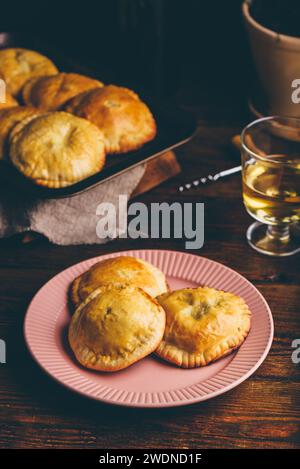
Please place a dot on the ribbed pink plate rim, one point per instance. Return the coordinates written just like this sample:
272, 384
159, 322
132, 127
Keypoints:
52, 297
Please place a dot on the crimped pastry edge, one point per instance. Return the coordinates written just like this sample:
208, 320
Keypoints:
74, 291
29, 88
50, 65
4, 151
74, 288
135, 356
116, 149
183, 359
49, 183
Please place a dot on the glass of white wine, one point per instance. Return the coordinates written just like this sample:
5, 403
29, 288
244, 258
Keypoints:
271, 184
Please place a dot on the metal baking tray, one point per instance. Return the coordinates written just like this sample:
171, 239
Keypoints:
174, 128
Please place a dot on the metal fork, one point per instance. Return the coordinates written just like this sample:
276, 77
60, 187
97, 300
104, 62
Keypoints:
209, 178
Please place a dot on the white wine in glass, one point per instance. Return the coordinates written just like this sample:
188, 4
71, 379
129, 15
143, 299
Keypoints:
271, 183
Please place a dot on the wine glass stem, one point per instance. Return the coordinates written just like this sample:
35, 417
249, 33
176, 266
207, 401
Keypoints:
279, 233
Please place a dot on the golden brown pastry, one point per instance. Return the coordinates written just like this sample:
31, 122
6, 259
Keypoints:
124, 270
51, 93
202, 325
18, 65
56, 149
124, 119
115, 326
8, 119
10, 101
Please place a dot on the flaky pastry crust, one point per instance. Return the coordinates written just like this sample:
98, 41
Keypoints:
126, 122
8, 119
202, 325
124, 270
19, 65
50, 93
56, 149
115, 326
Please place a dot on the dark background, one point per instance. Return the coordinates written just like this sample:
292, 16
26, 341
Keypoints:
195, 52
156, 46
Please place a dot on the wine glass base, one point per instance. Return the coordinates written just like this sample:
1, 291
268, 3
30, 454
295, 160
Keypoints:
259, 240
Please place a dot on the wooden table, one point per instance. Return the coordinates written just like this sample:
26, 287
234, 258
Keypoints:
263, 412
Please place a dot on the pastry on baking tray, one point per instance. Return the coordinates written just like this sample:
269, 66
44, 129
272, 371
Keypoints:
18, 65
50, 93
115, 326
10, 101
123, 270
56, 149
202, 325
124, 119
8, 119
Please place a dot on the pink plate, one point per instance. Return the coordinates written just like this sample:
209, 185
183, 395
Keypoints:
150, 382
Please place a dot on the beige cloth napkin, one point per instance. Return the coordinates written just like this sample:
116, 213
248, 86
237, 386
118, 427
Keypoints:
66, 221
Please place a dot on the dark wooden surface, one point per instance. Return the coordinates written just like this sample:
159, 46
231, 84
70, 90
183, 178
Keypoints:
263, 412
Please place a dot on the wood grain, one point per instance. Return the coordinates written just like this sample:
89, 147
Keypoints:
157, 171
263, 412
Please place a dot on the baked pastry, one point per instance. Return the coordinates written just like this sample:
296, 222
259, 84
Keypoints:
10, 101
18, 65
124, 119
8, 119
115, 326
202, 325
50, 93
119, 270
56, 149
